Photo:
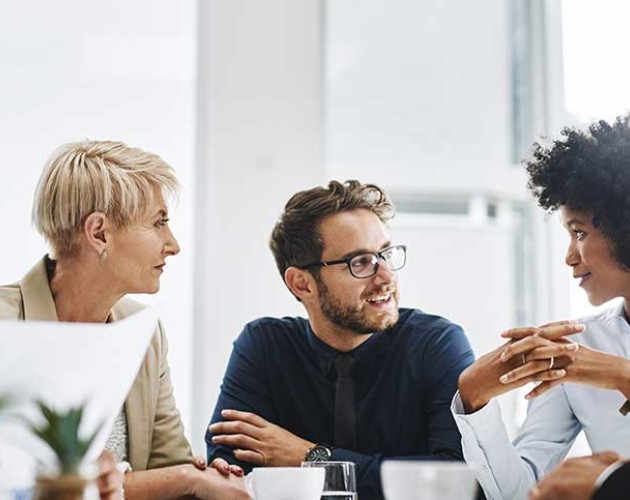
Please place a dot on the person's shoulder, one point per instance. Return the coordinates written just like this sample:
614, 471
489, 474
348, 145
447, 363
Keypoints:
616, 485
127, 307
600, 325
604, 316
434, 339
10, 291
11, 302
420, 328
272, 333
275, 327
416, 320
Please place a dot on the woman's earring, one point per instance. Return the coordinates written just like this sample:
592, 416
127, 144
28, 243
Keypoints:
104, 254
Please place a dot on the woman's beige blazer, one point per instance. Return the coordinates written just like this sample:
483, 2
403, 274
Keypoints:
155, 430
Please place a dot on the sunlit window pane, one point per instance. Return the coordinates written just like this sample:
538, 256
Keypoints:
596, 68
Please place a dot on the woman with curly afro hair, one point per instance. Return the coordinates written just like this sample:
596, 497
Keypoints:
583, 368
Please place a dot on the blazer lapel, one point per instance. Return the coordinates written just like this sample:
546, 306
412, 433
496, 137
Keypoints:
39, 305
136, 404
38, 300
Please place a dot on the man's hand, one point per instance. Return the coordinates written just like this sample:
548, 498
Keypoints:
574, 479
110, 479
523, 359
210, 484
257, 441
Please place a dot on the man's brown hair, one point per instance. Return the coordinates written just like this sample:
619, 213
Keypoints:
296, 240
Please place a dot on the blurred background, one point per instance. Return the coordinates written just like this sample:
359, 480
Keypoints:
437, 101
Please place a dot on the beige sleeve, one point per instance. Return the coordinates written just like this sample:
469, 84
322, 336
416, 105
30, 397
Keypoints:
11, 306
169, 445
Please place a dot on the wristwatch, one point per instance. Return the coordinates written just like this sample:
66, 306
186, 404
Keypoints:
319, 453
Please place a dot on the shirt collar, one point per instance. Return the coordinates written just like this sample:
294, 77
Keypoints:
326, 354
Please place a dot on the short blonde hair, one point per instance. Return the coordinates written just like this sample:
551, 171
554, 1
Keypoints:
95, 176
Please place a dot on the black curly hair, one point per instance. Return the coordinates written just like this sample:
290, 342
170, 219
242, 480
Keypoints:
589, 171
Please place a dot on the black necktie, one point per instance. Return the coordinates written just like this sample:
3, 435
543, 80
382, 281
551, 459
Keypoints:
344, 403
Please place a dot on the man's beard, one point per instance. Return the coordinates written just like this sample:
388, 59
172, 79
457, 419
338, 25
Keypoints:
353, 317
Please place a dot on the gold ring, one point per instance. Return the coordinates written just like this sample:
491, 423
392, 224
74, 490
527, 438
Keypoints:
550, 363
523, 358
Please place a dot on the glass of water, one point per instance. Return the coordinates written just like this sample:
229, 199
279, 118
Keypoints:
339, 480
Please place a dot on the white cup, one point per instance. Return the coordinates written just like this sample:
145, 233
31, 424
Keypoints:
285, 483
421, 480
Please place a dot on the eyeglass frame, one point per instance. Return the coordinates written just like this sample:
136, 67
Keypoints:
347, 260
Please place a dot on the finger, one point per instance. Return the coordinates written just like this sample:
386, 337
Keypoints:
221, 465
542, 374
522, 346
245, 416
200, 463
524, 371
558, 323
543, 387
557, 362
106, 462
534, 493
234, 427
237, 471
238, 441
109, 477
249, 456
557, 331
608, 457
110, 483
520, 332
114, 495
553, 350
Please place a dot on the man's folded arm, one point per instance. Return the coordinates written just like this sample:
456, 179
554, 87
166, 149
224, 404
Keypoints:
243, 388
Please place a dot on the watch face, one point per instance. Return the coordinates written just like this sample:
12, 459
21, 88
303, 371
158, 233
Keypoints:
319, 453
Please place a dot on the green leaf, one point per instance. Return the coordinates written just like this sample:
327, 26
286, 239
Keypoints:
4, 402
60, 430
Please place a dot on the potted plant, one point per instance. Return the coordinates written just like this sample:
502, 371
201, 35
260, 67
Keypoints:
60, 430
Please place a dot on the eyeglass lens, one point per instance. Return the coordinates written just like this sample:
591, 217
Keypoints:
364, 265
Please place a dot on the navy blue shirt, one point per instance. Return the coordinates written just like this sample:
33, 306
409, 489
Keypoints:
404, 380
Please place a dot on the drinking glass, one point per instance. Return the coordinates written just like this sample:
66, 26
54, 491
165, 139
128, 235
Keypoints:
339, 480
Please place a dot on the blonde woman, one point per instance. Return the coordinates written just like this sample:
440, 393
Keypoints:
101, 207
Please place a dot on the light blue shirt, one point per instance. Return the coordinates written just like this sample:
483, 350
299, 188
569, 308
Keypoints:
509, 470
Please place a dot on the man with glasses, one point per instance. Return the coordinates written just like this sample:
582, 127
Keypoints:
361, 380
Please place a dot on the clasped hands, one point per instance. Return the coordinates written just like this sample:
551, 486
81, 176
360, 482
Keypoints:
257, 441
531, 354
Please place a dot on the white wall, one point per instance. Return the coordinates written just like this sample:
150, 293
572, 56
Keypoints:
115, 70
259, 142
418, 95
236, 95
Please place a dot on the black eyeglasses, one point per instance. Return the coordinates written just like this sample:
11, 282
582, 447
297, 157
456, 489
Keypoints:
366, 264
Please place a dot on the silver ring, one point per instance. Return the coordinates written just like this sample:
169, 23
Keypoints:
523, 358
551, 360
